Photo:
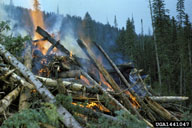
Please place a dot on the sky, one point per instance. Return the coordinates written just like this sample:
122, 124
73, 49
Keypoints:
105, 10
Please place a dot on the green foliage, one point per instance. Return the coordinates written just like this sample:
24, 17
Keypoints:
13, 44
125, 120
187, 116
30, 118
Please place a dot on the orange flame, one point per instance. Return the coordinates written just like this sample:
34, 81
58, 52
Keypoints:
71, 53
102, 77
133, 100
85, 79
37, 18
104, 82
92, 105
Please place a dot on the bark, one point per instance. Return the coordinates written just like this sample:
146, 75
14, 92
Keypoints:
25, 92
7, 100
168, 98
156, 47
16, 78
68, 85
160, 110
65, 116
109, 79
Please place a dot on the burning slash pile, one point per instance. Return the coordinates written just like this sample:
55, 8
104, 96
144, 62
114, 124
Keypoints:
72, 92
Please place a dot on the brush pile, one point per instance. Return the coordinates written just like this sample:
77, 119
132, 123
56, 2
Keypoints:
68, 91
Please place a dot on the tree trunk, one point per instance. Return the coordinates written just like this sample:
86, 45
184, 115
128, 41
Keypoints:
156, 48
25, 93
181, 80
6, 101
189, 52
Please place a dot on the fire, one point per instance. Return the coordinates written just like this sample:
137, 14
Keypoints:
92, 105
37, 18
71, 53
133, 100
102, 78
104, 82
85, 79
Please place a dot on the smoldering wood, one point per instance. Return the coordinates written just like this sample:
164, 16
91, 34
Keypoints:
55, 43
52, 47
43, 39
64, 115
109, 79
144, 106
7, 100
169, 98
70, 74
109, 96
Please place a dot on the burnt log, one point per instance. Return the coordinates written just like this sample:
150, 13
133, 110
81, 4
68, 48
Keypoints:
55, 43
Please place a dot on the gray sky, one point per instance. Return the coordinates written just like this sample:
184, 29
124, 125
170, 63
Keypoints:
103, 10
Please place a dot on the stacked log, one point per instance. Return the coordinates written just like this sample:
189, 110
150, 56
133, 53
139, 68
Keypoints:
69, 77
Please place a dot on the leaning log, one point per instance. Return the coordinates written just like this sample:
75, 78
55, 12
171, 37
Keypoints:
64, 115
169, 98
7, 100
51, 40
110, 80
144, 106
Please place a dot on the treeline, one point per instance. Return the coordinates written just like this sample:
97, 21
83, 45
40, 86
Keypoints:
169, 49
86, 27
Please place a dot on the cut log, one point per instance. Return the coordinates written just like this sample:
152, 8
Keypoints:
168, 98
68, 85
160, 110
7, 100
25, 92
64, 115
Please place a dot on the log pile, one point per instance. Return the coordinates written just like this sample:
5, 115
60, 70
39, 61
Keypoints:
92, 87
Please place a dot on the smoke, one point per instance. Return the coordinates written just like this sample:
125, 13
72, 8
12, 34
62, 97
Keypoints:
69, 41
6, 15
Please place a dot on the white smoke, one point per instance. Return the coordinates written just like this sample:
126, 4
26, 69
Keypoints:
71, 44
15, 31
